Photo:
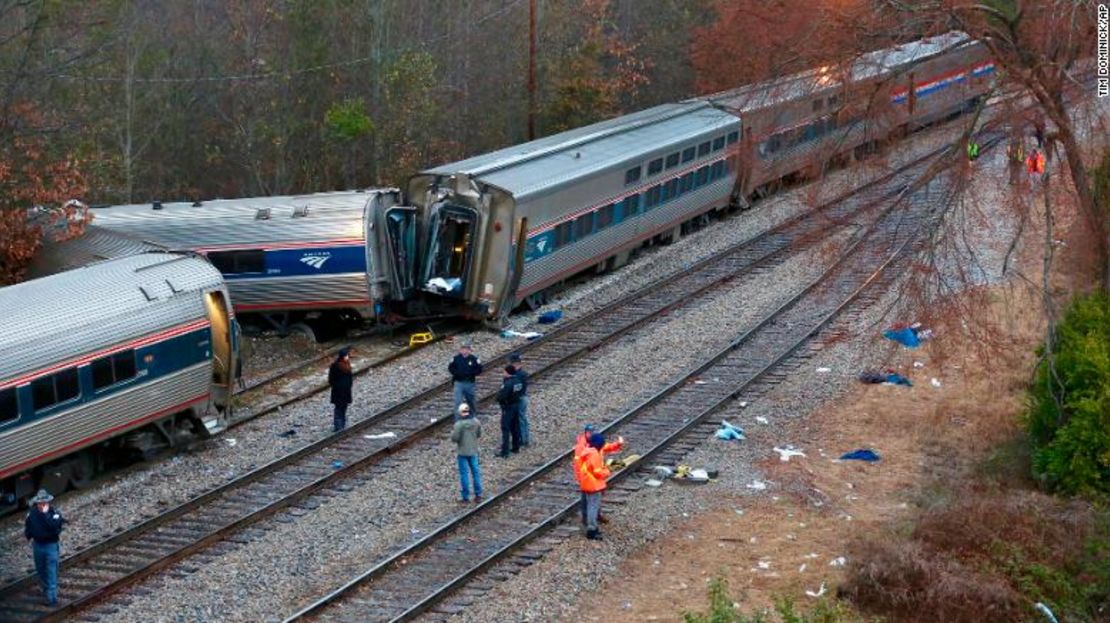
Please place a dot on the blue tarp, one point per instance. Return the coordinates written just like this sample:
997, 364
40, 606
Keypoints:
728, 432
906, 337
863, 454
898, 379
550, 317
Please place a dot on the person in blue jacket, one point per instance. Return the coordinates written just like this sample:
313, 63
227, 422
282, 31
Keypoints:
465, 368
522, 406
43, 528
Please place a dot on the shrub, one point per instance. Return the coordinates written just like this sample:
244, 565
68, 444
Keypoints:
1068, 418
988, 556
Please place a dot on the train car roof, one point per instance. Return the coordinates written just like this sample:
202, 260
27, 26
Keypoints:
542, 164
316, 217
829, 78
96, 244
56, 318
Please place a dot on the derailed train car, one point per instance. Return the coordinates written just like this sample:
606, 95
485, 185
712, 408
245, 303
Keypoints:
501, 228
306, 263
145, 360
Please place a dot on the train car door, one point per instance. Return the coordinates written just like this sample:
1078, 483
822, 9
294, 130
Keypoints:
452, 231
223, 351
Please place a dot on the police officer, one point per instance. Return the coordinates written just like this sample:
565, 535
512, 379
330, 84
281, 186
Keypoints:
509, 399
464, 368
522, 410
42, 528
341, 379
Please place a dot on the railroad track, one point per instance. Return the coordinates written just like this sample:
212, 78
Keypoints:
143, 550
416, 578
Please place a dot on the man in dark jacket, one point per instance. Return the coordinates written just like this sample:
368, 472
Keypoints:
509, 399
522, 409
464, 368
341, 379
42, 528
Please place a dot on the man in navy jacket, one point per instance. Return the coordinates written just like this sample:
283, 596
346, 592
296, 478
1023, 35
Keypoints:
42, 528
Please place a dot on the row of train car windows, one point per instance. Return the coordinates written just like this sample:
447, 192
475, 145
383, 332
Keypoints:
802, 134
64, 386
606, 216
631, 176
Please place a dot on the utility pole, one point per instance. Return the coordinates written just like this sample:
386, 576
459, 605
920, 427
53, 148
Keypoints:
531, 69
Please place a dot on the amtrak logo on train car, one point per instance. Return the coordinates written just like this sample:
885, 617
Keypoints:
316, 260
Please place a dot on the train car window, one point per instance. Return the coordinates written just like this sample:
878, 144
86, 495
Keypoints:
632, 175
718, 143
703, 149
717, 170
113, 369
733, 137
563, 234
672, 160
235, 262
702, 177
583, 226
51, 390
689, 154
672, 188
687, 182
605, 216
809, 132
631, 205
9, 406
652, 197
655, 166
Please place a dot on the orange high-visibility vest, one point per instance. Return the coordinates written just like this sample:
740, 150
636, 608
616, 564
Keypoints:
591, 471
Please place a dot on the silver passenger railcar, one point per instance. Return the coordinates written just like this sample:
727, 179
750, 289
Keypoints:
122, 356
295, 260
500, 228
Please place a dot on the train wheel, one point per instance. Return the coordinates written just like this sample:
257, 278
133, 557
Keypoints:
84, 470
305, 330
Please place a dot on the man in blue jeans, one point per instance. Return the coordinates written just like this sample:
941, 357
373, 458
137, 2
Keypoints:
522, 406
42, 528
465, 435
464, 369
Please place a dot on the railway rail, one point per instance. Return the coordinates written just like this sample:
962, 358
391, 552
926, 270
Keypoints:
103, 569
416, 578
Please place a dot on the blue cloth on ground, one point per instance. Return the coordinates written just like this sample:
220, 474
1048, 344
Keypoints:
862, 454
728, 432
905, 336
551, 317
898, 379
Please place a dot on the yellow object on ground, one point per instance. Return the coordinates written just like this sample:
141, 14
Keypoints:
421, 338
623, 462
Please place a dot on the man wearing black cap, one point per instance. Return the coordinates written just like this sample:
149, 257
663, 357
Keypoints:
341, 380
522, 407
509, 399
464, 369
43, 528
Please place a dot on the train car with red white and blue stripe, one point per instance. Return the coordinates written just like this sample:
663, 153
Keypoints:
307, 263
145, 361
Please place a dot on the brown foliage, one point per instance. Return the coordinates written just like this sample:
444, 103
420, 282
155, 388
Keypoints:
948, 569
36, 187
753, 40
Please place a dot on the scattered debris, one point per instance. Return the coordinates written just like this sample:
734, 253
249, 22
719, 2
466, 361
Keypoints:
839, 561
386, 435
862, 454
700, 382
820, 591
623, 462
909, 336
786, 453
743, 404
651, 482
444, 285
757, 485
662, 471
287, 434
729, 432
231, 441
802, 569
918, 364
1047, 613
337, 464
935, 382
823, 370
550, 317
686, 474
764, 564
528, 335
761, 419
890, 377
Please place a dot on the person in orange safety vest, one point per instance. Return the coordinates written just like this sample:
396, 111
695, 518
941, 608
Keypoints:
1035, 163
581, 444
592, 474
